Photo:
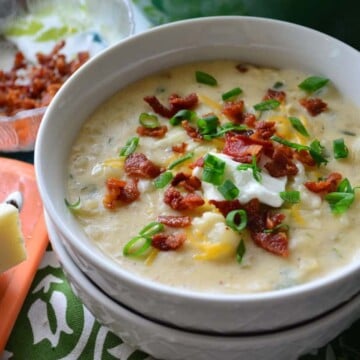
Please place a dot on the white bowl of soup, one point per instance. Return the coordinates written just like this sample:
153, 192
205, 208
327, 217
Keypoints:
171, 343
204, 173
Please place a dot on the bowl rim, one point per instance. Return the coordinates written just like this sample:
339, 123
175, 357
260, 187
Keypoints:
110, 266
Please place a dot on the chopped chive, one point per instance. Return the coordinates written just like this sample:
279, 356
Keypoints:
231, 94
208, 124
73, 206
180, 160
292, 197
213, 169
313, 83
341, 151
163, 179
278, 85
151, 229
298, 126
205, 78
256, 171
228, 190
240, 251
149, 120
236, 219
130, 146
270, 104
341, 199
316, 151
226, 128
132, 248
289, 143
349, 133
181, 115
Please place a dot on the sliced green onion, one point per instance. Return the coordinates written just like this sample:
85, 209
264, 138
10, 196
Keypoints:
341, 151
341, 199
254, 167
73, 206
163, 179
151, 229
292, 197
228, 190
213, 169
289, 143
277, 228
205, 78
240, 251
298, 126
278, 85
313, 83
181, 115
231, 94
180, 160
270, 104
236, 220
130, 146
149, 120
208, 124
316, 151
132, 248
226, 128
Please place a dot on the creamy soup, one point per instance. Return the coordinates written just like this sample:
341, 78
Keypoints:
221, 177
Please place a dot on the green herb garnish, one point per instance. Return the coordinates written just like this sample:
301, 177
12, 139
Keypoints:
240, 251
292, 197
213, 169
228, 190
256, 170
181, 115
151, 229
130, 146
208, 124
270, 104
278, 85
236, 219
132, 248
341, 199
180, 160
149, 120
205, 78
231, 94
73, 206
298, 126
341, 151
224, 129
313, 83
163, 179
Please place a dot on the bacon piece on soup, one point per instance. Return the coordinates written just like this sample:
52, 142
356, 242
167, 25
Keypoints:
120, 191
180, 202
197, 163
234, 110
304, 157
139, 165
176, 103
263, 131
281, 163
328, 185
176, 221
225, 206
157, 132
276, 243
187, 181
275, 94
242, 68
181, 148
314, 106
191, 131
168, 242
241, 148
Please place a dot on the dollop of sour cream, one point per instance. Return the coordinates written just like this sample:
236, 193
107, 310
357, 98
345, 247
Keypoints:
267, 190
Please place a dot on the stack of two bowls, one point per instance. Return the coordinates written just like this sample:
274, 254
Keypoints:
166, 321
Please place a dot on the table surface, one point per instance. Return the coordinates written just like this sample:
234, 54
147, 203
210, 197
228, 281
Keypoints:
54, 324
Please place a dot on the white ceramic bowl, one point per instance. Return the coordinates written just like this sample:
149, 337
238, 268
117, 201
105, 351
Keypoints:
253, 40
165, 342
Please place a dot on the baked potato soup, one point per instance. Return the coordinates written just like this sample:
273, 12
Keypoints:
221, 177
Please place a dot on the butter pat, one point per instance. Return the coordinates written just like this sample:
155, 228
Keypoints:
12, 247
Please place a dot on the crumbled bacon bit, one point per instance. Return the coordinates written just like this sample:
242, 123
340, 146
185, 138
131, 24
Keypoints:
181, 148
187, 181
176, 103
304, 157
225, 206
264, 130
177, 201
276, 243
328, 185
43, 80
275, 94
281, 163
191, 131
120, 191
242, 68
139, 165
176, 221
197, 163
168, 242
157, 132
314, 106
234, 110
